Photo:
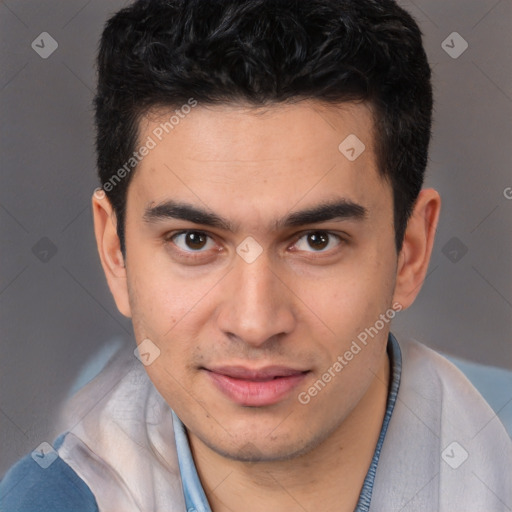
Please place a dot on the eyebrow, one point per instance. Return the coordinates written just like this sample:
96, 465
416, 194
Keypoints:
183, 211
338, 210
342, 209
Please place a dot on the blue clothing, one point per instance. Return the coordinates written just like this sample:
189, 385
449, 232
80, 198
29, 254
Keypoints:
27, 487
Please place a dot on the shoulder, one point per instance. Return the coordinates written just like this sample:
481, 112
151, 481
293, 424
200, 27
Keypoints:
445, 448
42, 481
445, 423
432, 382
422, 365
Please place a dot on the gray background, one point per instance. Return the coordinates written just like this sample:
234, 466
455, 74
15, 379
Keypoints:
56, 311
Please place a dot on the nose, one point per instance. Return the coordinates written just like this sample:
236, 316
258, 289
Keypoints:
258, 305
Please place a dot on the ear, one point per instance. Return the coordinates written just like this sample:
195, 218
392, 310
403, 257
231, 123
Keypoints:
417, 246
109, 248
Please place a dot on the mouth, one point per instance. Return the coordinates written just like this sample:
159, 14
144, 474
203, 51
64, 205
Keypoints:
255, 388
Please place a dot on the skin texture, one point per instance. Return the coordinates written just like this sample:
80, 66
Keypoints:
298, 304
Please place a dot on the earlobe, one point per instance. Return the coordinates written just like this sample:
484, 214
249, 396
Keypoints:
109, 249
417, 246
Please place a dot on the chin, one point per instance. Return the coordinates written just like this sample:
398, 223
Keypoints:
265, 448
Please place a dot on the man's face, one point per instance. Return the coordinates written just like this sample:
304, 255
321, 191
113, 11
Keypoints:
269, 253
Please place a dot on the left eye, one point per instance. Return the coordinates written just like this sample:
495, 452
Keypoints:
193, 241
317, 241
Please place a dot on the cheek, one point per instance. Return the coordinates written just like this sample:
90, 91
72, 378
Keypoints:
353, 297
160, 297
153, 307
169, 309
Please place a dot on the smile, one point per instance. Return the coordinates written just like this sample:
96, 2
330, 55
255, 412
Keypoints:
255, 388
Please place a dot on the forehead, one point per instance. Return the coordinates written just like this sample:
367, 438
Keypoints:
261, 158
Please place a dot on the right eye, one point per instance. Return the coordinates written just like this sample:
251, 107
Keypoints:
192, 241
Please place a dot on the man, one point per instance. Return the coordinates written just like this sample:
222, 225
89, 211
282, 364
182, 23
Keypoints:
261, 221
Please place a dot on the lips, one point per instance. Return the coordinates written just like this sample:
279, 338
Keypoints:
255, 387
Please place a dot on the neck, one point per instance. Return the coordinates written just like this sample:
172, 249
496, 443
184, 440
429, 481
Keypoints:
329, 477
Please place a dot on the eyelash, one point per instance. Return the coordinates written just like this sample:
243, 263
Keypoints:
190, 255
195, 255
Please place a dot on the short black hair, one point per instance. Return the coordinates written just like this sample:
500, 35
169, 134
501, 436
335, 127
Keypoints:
157, 53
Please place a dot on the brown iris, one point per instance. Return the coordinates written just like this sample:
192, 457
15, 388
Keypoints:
195, 240
318, 240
